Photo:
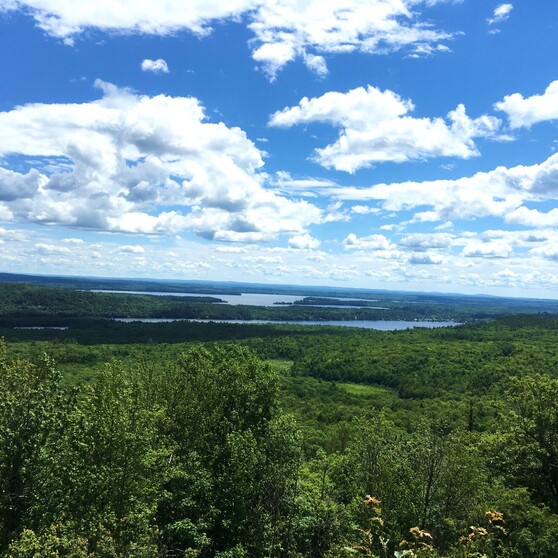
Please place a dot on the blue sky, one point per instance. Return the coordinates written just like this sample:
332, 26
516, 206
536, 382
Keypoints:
399, 144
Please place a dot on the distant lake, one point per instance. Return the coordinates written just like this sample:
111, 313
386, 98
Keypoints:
255, 299
340, 306
64, 328
247, 299
382, 325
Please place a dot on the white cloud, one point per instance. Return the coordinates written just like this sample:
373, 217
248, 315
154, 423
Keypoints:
158, 66
364, 209
548, 251
13, 235
316, 63
376, 127
283, 29
533, 218
497, 193
423, 50
335, 212
14, 185
130, 249
235, 236
518, 238
47, 249
492, 249
304, 242
282, 181
143, 165
501, 13
523, 112
421, 242
231, 249
287, 29
73, 241
372, 242
65, 19
444, 226
426, 259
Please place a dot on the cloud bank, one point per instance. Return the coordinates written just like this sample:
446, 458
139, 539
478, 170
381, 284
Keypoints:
140, 164
283, 30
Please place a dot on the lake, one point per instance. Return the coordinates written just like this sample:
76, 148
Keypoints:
249, 299
61, 328
382, 325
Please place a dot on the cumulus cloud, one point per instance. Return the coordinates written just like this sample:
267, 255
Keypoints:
141, 164
73, 241
548, 251
15, 185
375, 127
158, 66
231, 249
130, 249
493, 249
283, 29
304, 242
533, 217
523, 112
65, 20
426, 259
497, 193
501, 13
53, 249
372, 242
421, 242
286, 29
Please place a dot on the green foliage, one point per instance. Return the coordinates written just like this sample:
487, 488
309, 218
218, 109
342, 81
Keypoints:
172, 450
234, 461
32, 410
190, 456
529, 443
432, 363
55, 542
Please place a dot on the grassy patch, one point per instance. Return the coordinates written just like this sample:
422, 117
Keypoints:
281, 366
365, 389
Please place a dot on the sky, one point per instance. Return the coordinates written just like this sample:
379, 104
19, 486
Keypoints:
385, 144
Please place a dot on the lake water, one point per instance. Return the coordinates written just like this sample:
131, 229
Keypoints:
382, 325
252, 299
248, 299
341, 306
43, 327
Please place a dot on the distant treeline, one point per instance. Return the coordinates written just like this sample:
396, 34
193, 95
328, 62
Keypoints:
24, 301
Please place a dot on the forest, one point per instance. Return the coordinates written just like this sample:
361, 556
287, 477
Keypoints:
224, 440
33, 304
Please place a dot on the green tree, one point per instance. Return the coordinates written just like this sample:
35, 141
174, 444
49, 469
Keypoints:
531, 427
111, 462
234, 461
32, 408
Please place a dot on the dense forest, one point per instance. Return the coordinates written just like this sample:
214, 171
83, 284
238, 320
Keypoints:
278, 440
225, 440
